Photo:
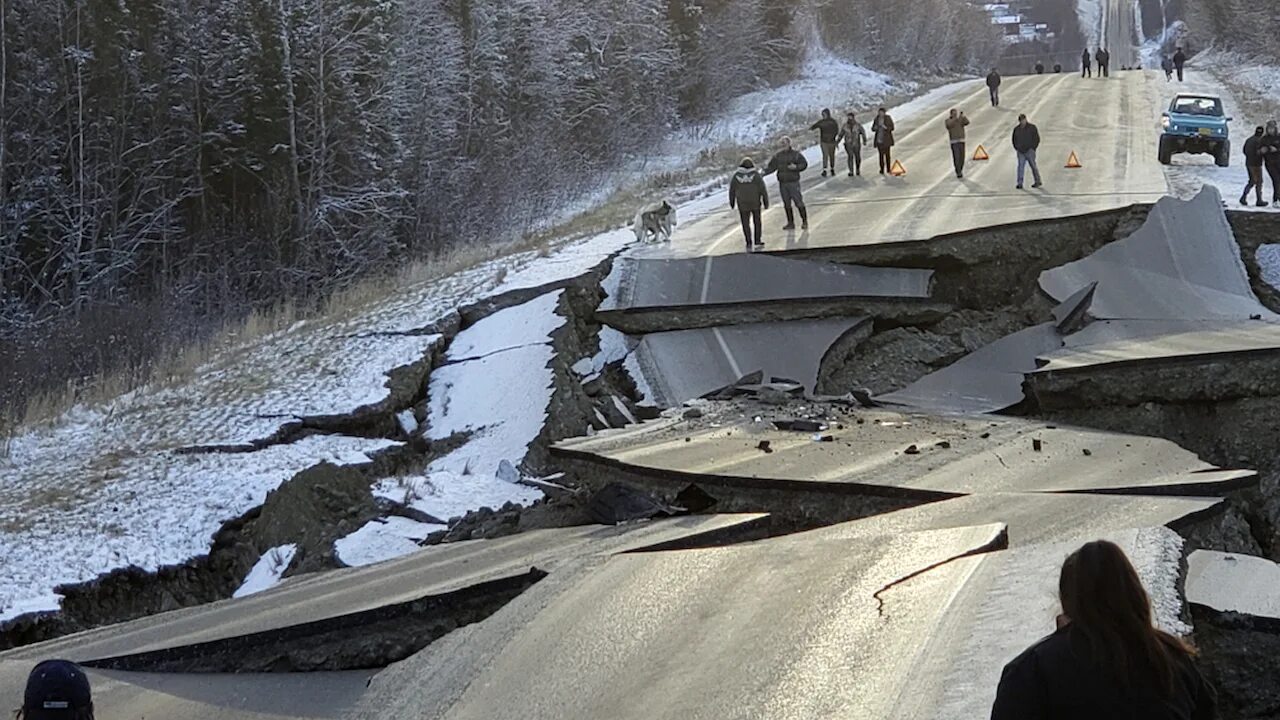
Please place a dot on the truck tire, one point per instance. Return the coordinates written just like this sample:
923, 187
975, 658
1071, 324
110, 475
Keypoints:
1223, 158
1166, 152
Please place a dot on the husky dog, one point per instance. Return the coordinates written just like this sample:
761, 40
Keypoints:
655, 224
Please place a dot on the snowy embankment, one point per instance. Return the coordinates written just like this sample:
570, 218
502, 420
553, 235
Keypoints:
103, 488
1251, 93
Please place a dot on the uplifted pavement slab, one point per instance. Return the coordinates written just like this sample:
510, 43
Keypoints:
1121, 342
914, 625
687, 364
209, 697
1183, 263
914, 455
1230, 582
434, 570
1032, 518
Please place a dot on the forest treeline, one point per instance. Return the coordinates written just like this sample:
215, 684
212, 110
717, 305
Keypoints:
168, 164
1252, 28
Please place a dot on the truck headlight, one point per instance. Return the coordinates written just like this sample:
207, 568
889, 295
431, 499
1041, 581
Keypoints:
1164, 121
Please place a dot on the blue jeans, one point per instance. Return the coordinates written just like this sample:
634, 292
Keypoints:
1025, 159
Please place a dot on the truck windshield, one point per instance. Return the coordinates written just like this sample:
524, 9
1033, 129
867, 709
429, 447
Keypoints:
1198, 106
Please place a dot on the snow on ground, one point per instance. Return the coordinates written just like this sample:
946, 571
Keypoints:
148, 510
1216, 74
383, 539
614, 346
1089, 14
268, 571
1268, 257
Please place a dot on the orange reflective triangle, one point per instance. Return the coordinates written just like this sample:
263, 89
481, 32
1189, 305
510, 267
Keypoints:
897, 170
1073, 161
981, 154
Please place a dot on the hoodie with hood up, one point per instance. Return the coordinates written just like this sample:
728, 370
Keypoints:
1271, 139
747, 190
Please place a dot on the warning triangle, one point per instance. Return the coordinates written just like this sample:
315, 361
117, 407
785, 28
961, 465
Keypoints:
981, 154
897, 170
1073, 161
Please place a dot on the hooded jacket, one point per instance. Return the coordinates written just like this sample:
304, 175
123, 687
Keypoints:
1272, 140
1253, 150
993, 79
778, 163
747, 190
827, 129
1179, 58
1086, 58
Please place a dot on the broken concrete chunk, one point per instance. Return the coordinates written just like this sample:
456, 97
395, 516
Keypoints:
616, 503
507, 472
799, 425
1036, 444
764, 446
911, 450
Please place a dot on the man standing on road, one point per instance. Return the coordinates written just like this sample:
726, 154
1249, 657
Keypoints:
1086, 64
1255, 152
1179, 61
855, 138
882, 137
1272, 159
789, 163
1026, 139
827, 129
748, 192
993, 84
956, 124
1104, 59
1167, 65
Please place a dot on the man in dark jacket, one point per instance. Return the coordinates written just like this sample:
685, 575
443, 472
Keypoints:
748, 193
855, 138
789, 163
1026, 140
828, 129
993, 84
1179, 61
1104, 62
1255, 152
956, 123
1271, 160
1039, 67
1086, 64
882, 137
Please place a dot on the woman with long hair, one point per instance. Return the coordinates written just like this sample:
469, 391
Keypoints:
1107, 660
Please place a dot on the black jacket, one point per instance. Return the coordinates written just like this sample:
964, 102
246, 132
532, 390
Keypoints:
778, 163
747, 190
1272, 158
1026, 138
1086, 59
882, 131
1179, 58
1253, 155
827, 129
1055, 680
993, 80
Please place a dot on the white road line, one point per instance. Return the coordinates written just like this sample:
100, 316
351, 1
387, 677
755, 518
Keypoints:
724, 347
706, 281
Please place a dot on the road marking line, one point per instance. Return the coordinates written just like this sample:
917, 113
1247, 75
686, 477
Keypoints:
724, 347
706, 282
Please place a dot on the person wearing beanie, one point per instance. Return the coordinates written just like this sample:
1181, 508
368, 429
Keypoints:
789, 163
748, 193
57, 690
1255, 153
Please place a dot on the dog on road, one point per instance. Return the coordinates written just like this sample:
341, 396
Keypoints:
655, 224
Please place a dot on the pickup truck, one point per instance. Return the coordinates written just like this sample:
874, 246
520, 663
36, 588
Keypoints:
1195, 124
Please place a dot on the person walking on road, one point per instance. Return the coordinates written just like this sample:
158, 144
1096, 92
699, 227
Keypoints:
827, 129
749, 194
1255, 152
1026, 140
1167, 65
1104, 60
789, 163
993, 84
1179, 62
1086, 64
855, 138
956, 124
1106, 659
1271, 160
882, 137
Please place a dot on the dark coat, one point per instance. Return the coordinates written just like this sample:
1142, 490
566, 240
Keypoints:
1086, 58
1272, 158
1253, 151
779, 163
827, 129
1026, 138
747, 190
882, 131
993, 80
1179, 59
1055, 680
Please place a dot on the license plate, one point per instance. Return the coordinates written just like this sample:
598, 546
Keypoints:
1206, 131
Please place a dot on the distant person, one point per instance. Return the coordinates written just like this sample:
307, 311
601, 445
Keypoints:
1167, 65
789, 163
57, 690
1107, 660
956, 123
1255, 152
1104, 61
993, 85
749, 194
1086, 64
1179, 62
1039, 67
827, 129
1057, 68
1026, 140
854, 136
1271, 160
882, 137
